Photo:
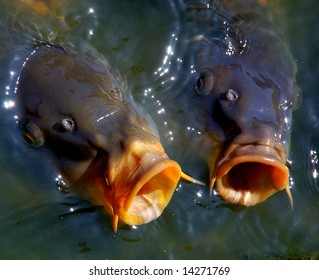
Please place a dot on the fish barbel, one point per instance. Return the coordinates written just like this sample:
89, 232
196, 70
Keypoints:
105, 146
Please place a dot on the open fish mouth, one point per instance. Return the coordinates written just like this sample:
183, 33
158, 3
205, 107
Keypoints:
144, 181
150, 194
249, 174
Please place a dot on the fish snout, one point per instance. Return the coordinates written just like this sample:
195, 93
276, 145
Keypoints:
143, 179
251, 169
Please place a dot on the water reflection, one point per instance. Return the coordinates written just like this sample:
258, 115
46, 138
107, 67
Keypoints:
314, 163
195, 224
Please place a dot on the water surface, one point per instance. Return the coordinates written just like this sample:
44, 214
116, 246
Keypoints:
142, 39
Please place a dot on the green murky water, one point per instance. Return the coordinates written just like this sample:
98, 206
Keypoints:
37, 221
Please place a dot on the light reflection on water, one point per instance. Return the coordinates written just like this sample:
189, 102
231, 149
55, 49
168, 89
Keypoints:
39, 221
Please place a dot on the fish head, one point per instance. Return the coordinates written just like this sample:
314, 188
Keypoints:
103, 144
249, 107
247, 90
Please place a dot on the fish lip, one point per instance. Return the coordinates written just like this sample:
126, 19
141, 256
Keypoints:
262, 171
143, 180
273, 150
163, 174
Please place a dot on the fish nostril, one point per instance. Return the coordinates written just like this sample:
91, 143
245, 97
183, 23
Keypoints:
67, 124
230, 95
117, 93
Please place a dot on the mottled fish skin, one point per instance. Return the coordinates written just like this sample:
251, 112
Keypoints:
70, 102
244, 94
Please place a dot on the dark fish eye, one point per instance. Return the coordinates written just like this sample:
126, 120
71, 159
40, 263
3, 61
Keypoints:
67, 124
200, 83
33, 135
205, 83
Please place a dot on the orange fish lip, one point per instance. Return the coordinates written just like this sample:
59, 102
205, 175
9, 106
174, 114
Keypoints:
250, 173
152, 192
138, 181
143, 179
146, 197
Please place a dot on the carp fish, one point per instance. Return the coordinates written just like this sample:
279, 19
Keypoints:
242, 95
105, 146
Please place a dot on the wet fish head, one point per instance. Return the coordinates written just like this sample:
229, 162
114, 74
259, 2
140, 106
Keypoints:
246, 100
103, 144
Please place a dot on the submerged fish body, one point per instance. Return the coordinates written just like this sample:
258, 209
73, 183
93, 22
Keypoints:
243, 98
70, 102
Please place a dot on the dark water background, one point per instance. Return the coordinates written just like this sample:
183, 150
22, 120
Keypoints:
37, 221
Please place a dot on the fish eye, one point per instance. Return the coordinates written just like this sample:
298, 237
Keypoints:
33, 135
67, 124
205, 83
